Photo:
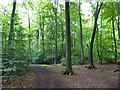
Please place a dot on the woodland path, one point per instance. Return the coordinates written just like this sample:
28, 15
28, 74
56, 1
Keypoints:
45, 78
50, 77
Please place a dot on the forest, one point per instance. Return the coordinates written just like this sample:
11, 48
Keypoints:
60, 44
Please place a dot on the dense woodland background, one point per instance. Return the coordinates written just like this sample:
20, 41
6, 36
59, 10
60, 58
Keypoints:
41, 39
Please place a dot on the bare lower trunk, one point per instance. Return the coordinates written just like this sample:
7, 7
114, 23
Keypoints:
114, 40
62, 33
81, 42
99, 57
11, 33
42, 30
119, 19
55, 35
93, 35
68, 70
39, 34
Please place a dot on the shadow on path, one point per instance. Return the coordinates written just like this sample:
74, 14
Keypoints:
45, 78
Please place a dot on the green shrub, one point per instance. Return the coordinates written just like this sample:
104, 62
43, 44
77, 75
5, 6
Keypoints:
76, 60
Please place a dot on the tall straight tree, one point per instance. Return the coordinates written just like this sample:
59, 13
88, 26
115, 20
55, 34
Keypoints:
68, 70
81, 42
119, 19
29, 38
56, 32
39, 32
11, 33
42, 32
114, 35
62, 33
100, 41
94, 31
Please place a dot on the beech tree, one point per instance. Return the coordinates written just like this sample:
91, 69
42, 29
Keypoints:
68, 69
94, 31
11, 33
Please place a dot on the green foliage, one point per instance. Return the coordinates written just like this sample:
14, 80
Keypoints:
48, 58
76, 60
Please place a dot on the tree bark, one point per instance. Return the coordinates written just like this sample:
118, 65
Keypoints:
93, 35
99, 57
74, 43
114, 39
119, 19
100, 42
62, 33
11, 33
42, 32
68, 70
81, 42
55, 34
114, 36
29, 38
88, 49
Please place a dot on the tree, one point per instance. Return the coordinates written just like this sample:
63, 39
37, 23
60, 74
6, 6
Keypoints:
94, 31
42, 32
62, 32
98, 47
81, 42
68, 70
29, 38
11, 33
119, 19
114, 36
55, 11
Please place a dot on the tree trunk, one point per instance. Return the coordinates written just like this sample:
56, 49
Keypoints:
114, 40
62, 33
40, 34
55, 34
29, 38
81, 42
99, 57
119, 19
42, 31
68, 70
11, 33
74, 43
100, 41
93, 35
88, 49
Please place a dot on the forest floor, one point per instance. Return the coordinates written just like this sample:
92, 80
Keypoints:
49, 76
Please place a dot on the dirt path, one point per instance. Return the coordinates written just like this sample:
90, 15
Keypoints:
45, 78
51, 77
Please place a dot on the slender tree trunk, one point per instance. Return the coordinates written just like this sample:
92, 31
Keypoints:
100, 41
119, 19
55, 34
114, 40
88, 49
114, 36
74, 43
81, 42
40, 34
11, 33
29, 38
42, 31
62, 33
99, 57
68, 70
93, 35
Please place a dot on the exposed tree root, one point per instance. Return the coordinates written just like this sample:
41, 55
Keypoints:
116, 70
68, 73
91, 67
